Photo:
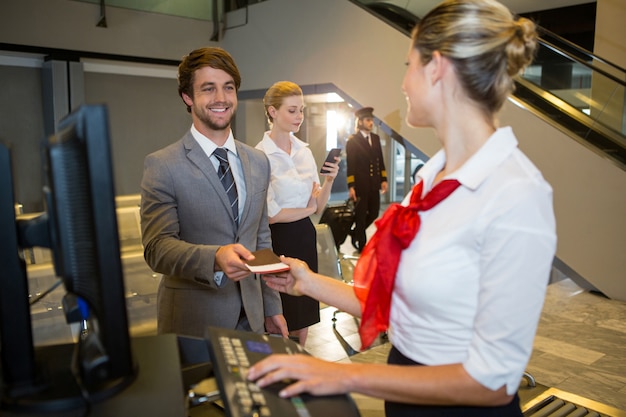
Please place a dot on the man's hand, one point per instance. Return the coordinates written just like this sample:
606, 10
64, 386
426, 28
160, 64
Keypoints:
383, 187
277, 325
230, 260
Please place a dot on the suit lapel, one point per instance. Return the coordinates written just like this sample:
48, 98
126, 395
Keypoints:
247, 174
196, 156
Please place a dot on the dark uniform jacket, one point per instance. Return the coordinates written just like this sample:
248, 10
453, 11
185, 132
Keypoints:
365, 164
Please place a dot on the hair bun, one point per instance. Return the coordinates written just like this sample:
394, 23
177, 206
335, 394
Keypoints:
522, 45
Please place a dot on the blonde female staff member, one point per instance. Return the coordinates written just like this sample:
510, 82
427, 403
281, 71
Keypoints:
294, 194
459, 269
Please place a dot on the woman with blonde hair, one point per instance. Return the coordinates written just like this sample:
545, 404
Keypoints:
458, 271
294, 194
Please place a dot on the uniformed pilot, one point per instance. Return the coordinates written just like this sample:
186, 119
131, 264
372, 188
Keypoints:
367, 178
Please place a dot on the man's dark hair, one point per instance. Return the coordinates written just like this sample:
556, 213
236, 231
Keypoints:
213, 57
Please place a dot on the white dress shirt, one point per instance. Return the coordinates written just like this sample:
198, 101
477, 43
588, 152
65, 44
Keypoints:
471, 285
292, 175
208, 146
367, 136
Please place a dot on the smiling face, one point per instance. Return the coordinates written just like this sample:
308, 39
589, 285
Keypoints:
213, 103
290, 114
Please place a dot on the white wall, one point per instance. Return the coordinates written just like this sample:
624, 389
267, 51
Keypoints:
610, 31
327, 41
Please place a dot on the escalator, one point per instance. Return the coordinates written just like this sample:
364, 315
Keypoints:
570, 87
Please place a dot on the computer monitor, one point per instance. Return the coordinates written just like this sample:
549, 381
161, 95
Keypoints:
80, 227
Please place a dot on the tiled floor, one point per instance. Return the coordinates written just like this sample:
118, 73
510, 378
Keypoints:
580, 345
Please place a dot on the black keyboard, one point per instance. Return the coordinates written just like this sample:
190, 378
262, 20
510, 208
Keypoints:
233, 352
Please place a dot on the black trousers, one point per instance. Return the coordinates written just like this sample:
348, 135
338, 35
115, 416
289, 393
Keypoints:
393, 409
365, 212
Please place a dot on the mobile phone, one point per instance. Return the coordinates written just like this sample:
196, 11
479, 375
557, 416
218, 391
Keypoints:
332, 154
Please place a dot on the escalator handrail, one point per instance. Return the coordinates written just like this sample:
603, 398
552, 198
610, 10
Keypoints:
560, 50
573, 57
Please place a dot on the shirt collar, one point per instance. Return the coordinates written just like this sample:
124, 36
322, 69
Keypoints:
208, 146
475, 170
270, 146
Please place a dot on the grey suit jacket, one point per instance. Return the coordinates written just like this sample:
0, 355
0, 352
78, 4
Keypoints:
185, 218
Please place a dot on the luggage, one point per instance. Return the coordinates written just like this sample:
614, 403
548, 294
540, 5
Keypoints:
339, 217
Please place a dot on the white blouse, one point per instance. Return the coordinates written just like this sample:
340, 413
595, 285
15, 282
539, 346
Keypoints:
471, 285
292, 176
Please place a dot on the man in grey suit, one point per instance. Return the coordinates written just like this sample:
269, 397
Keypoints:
196, 233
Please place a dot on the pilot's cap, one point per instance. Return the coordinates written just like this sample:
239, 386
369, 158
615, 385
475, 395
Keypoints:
364, 112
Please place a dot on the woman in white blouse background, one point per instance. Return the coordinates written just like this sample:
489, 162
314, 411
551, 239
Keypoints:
294, 194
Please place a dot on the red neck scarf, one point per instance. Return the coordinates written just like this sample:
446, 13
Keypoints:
375, 272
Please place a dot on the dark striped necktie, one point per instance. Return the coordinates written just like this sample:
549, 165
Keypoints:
228, 181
